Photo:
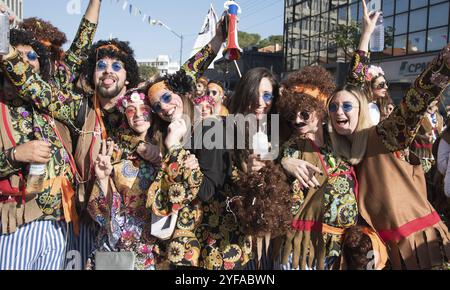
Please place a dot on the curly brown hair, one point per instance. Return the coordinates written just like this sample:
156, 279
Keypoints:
314, 76
295, 99
264, 206
356, 247
47, 34
292, 103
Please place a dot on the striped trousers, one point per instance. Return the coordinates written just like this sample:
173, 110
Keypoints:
39, 245
46, 245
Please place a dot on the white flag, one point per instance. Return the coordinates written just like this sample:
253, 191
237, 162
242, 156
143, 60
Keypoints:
207, 33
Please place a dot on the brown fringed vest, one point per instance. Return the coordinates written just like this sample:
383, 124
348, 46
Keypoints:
393, 200
421, 145
14, 213
305, 240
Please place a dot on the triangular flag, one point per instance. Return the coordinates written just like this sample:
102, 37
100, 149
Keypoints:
207, 32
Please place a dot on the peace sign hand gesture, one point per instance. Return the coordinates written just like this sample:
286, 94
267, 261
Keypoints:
103, 165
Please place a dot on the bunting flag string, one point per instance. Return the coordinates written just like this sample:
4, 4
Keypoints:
127, 5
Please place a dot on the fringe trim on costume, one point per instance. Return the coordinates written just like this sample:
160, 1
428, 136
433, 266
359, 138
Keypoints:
421, 250
308, 249
14, 215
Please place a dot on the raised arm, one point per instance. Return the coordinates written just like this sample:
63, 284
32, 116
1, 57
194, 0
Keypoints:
84, 38
400, 128
199, 63
361, 58
63, 104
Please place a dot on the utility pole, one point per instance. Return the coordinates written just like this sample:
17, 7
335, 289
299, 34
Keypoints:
180, 36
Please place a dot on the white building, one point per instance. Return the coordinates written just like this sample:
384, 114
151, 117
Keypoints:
162, 63
15, 7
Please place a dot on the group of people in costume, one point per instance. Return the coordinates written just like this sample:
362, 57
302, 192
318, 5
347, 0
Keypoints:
130, 182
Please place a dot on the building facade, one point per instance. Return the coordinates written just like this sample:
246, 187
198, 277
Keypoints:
162, 63
15, 7
416, 31
270, 57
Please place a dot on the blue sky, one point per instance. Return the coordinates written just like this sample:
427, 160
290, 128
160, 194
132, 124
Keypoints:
186, 17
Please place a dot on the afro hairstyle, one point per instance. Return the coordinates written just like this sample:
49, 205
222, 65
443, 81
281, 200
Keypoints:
47, 34
291, 103
22, 37
265, 203
315, 76
114, 49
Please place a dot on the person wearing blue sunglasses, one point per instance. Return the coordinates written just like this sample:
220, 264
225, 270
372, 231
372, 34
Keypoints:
392, 193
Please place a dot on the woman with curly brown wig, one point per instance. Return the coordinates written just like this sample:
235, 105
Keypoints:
324, 186
188, 189
257, 141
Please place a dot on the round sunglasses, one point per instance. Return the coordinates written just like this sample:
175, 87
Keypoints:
346, 107
267, 97
132, 110
166, 98
103, 65
31, 55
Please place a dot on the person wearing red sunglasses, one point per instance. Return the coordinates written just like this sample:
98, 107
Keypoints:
120, 193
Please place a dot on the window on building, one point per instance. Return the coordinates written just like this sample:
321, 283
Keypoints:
388, 7
353, 15
437, 38
399, 45
418, 3
438, 15
417, 19
401, 6
417, 42
401, 23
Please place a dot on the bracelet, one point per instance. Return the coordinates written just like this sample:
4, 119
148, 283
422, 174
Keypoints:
13, 154
10, 161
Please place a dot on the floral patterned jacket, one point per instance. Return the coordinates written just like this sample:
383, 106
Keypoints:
124, 219
28, 124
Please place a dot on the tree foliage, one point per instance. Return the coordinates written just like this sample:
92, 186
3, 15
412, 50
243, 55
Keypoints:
254, 39
146, 72
347, 37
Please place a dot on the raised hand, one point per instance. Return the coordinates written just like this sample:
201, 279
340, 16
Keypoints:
369, 24
103, 165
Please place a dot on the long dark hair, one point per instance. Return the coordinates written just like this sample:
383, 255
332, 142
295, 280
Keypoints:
246, 96
246, 99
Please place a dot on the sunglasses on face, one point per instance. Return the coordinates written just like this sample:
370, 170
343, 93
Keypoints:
103, 65
346, 107
31, 55
166, 98
131, 111
268, 98
212, 93
382, 85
